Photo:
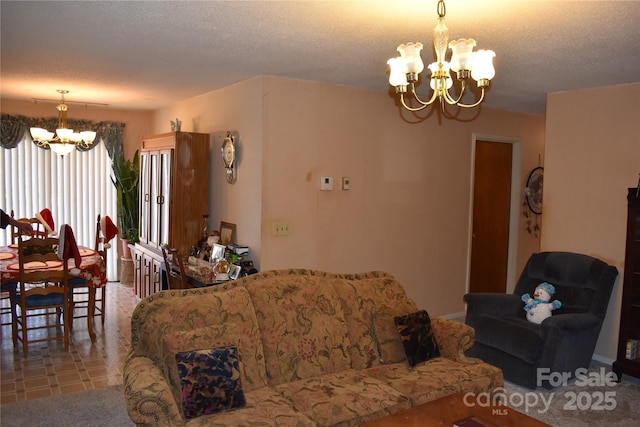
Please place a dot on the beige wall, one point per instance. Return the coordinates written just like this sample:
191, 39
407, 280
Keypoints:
137, 123
237, 108
592, 157
408, 208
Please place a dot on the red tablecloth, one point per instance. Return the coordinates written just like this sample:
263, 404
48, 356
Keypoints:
92, 268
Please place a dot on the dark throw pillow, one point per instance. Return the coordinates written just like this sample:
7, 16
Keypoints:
417, 337
210, 381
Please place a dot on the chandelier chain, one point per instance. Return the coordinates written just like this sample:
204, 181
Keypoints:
442, 9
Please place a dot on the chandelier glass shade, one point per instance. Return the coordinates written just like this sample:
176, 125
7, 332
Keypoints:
405, 69
64, 140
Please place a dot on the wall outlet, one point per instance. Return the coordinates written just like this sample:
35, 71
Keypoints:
326, 183
346, 183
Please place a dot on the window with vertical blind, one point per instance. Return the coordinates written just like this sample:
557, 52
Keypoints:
76, 188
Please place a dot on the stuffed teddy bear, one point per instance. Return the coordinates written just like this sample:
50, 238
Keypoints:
540, 306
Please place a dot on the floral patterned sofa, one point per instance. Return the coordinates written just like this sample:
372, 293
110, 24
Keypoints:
315, 349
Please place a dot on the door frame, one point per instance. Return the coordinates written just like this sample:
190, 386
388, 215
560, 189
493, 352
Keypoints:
514, 211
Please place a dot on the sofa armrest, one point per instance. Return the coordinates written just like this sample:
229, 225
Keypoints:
148, 395
453, 338
493, 304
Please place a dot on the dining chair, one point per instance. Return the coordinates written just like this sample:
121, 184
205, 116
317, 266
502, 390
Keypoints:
5, 289
42, 286
89, 297
175, 279
5, 302
38, 230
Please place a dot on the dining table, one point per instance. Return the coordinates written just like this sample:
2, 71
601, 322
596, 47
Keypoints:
92, 269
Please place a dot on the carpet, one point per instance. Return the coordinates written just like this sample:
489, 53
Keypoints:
102, 407
594, 400
577, 404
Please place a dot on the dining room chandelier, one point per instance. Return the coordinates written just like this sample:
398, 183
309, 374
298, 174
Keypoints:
64, 140
405, 69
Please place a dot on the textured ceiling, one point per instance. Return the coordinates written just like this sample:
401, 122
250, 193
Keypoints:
149, 54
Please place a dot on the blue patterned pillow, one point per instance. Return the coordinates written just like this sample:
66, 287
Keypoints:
210, 381
416, 335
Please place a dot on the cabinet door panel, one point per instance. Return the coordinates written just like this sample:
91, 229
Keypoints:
154, 206
165, 196
145, 198
138, 277
148, 282
157, 277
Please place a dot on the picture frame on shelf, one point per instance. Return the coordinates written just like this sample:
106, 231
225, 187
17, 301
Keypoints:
227, 231
234, 271
217, 252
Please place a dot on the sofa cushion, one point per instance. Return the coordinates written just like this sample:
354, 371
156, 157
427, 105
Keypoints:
437, 377
246, 340
302, 326
347, 398
365, 297
264, 407
210, 381
174, 311
416, 335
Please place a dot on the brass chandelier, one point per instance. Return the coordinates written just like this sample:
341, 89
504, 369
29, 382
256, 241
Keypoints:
64, 140
405, 69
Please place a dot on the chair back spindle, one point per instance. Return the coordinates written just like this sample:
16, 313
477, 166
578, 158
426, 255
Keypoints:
177, 280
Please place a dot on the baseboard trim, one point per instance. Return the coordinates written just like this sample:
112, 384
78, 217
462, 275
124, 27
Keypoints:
603, 359
454, 316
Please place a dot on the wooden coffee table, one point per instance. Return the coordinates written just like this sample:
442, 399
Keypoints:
446, 410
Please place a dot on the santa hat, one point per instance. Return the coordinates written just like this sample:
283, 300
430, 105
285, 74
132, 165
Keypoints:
45, 217
108, 229
67, 246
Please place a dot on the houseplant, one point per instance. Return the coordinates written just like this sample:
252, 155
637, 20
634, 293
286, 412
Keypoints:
125, 178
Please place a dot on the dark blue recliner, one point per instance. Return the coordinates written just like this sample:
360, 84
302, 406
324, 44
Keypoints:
563, 342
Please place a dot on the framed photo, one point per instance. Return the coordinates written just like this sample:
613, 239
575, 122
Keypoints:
234, 271
227, 230
217, 252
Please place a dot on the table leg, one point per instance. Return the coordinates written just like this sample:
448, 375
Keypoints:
91, 311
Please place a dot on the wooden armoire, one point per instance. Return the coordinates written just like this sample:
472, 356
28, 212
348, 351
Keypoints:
174, 190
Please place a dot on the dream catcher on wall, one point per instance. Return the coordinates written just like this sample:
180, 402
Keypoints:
533, 200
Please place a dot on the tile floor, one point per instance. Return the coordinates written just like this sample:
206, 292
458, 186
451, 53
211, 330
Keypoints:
48, 370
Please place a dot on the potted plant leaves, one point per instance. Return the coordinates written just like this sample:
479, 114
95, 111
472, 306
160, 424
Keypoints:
126, 177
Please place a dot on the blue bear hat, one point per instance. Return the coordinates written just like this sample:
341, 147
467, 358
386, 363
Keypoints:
548, 287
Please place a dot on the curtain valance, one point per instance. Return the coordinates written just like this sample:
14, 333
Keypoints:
14, 128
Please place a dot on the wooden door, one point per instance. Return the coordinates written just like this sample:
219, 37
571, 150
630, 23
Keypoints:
491, 212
